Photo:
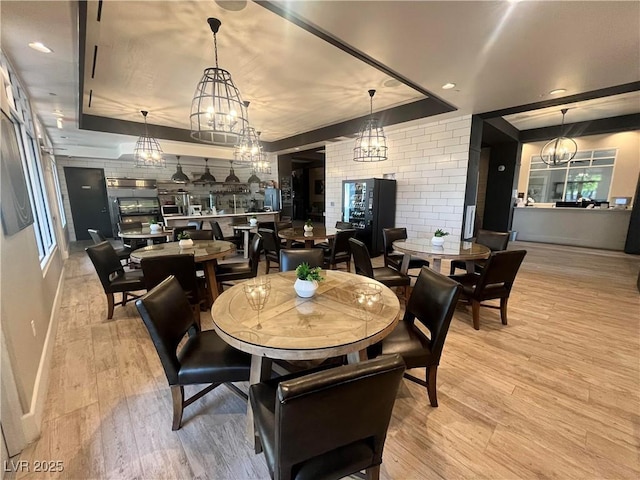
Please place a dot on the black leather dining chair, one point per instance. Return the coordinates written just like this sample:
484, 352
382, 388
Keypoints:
183, 268
385, 275
232, 271
493, 282
432, 303
496, 241
204, 357
327, 424
339, 250
132, 243
290, 258
96, 235
201, 234
393, 259
271, 245
112, 275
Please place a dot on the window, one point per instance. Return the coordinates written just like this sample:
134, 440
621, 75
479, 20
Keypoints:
32, 164
588, 175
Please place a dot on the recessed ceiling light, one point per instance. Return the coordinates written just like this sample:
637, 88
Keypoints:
58, 113
392, 82
40, 47
557, 91
63, 137
53, 94
448, 86
59, 123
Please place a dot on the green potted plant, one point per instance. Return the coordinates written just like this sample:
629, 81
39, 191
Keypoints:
308, 225
307, 282
154, 226
184, 240
438, 237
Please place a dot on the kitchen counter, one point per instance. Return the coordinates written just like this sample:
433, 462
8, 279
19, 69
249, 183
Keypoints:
581, 227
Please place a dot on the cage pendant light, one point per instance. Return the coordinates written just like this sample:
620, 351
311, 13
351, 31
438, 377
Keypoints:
218, 115
371, 144
561, 149
248, 150
147, 152
260, 162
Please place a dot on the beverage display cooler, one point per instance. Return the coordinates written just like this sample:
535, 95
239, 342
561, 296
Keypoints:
369, 205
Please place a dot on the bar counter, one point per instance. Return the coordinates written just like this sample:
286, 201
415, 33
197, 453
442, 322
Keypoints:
580, 227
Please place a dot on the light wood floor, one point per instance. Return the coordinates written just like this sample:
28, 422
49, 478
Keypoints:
553, 394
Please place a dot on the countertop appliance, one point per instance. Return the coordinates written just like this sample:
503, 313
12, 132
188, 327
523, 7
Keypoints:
369, 205
272, 199
132, 209
132, 200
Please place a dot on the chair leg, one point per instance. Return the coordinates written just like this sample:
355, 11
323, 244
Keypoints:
177, 394
267, 267
124, 298
475, 310
348, 265
431, 374
503, 310
110, 303
373, 473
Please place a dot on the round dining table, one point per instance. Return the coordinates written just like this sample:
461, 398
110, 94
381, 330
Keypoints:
284, 326
309, 238
206, 252
146, 234
422, 248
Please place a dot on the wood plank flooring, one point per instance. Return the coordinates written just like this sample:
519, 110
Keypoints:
554, 394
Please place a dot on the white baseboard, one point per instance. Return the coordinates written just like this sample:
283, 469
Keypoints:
32, 421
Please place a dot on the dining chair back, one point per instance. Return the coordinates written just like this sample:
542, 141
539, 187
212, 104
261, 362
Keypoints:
340, 249
432, 303
292, 257
495, 281
385, 275
126, 226
496, 241
271, 246
97, 237
327, 424
218, 235
203, 358
229, 272
183, 268
343, 225
178, 230
112, 275
195, 223
393, 259
201, 234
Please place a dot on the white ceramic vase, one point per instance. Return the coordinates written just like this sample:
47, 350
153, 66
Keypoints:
305, 288
253, 222
185, 243
308, 228
437, 241
155, 228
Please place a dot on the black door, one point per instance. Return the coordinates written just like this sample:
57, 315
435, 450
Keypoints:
88, 199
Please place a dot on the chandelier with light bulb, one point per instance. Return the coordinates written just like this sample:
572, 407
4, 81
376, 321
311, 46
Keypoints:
218, 115
147, 152
371, 144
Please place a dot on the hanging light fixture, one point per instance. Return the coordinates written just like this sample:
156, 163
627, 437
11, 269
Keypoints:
371, 144
218, 115
231, 178
179, 176
561, 149
259, 162
147, 152
248, 150
206, 177
253, 178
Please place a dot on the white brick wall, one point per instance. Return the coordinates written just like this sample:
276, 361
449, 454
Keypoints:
429, 161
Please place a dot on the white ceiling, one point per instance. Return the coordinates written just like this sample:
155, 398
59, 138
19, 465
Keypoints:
151, 55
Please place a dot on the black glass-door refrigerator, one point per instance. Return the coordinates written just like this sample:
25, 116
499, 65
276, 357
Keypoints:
369, 205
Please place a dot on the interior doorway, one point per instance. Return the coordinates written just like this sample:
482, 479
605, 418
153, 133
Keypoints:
88, 200
304, 173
